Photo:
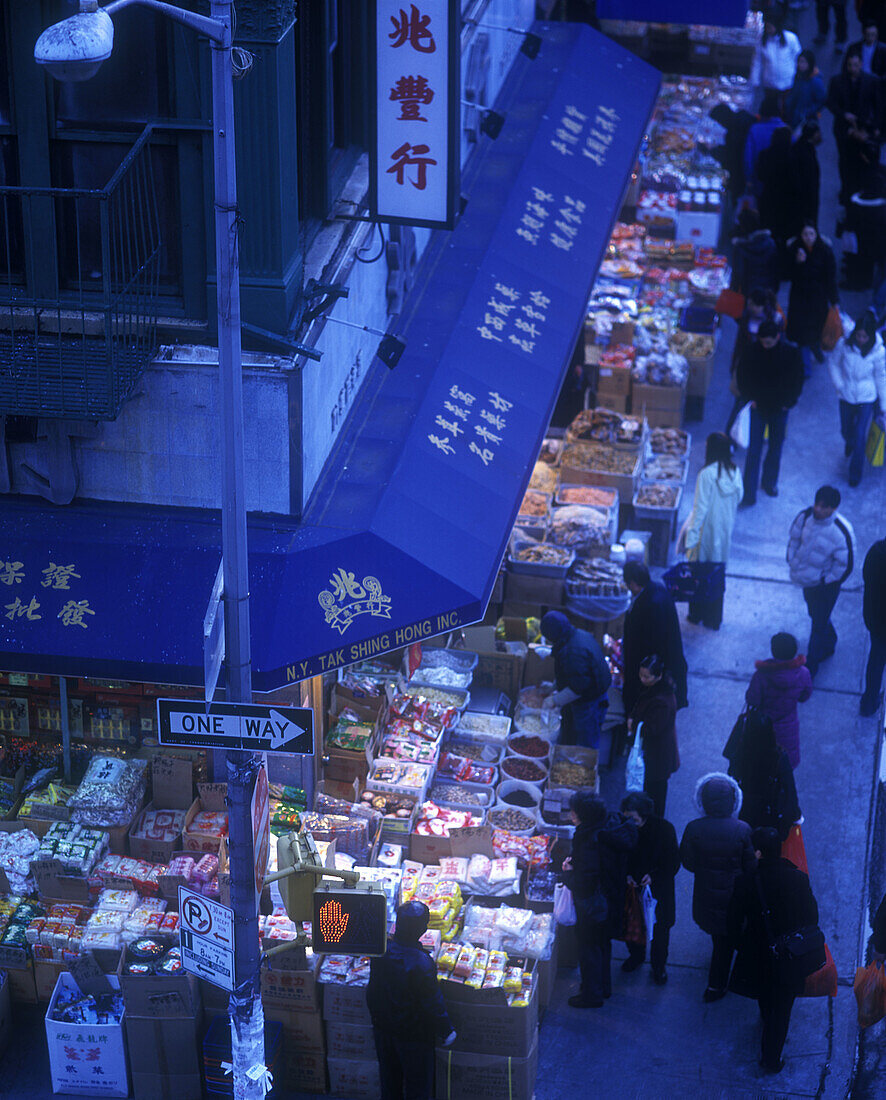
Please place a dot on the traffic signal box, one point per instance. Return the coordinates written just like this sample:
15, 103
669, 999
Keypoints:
349, 920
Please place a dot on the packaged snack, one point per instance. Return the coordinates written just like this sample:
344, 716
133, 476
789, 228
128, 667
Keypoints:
493, 979
465, 962
448, 956
498, 960
513, 981
475, 978
519, 1000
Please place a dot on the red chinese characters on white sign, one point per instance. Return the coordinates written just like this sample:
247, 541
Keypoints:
412, 108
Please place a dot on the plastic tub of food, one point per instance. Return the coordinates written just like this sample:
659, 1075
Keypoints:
545, 723
445, 668
666, 490
527, 746
522, 769
446, 696
514, 819
484, 752
456, 795
539, 559
521, 796
480, 726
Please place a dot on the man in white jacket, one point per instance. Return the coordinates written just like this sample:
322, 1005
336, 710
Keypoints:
821, 556
858, 370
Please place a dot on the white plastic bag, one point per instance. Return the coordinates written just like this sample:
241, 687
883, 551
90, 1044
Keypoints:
740, 433
649, 903
635, 772
564, 907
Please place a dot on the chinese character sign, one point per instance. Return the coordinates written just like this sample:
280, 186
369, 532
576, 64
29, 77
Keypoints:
415, 154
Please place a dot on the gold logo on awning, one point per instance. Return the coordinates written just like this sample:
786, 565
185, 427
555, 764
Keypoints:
350, 598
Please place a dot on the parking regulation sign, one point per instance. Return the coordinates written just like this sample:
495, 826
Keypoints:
206, 937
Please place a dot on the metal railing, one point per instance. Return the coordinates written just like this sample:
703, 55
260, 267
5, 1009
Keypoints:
79, 275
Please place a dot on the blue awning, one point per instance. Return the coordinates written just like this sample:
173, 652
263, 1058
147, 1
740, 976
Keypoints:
406, 531
721, 13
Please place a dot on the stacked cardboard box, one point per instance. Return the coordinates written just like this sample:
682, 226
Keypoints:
292, 999
351, 1058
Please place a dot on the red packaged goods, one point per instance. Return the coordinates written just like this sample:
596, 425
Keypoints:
210, 822
479, 773
183, 866
206, 869
164, 825
453, 766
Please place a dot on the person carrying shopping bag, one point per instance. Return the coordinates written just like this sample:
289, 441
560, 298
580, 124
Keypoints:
654, 720
857, 367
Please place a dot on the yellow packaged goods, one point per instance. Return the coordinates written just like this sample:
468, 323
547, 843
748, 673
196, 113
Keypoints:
494, 979
448, 956
475, 979
498, 960
465, 962
481, 958
439, 909
513, 982
520, 1000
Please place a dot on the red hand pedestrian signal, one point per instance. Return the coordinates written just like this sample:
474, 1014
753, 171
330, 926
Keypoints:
333, 924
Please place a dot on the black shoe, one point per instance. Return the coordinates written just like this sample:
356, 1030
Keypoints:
693, 620
854, 482
746, 502
580, 1001
660, 977
847, 450
632, 963
777, 1068
770, 490
711, 995
818, 355
868, 710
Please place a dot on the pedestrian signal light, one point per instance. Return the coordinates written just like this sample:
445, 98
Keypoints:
350, 920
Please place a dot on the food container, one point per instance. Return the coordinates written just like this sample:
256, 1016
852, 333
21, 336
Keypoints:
534, 508
574, 472
655, 467
596, 496
558, 569
445, 667
514, 746
537, 767
543, 723
674, 441
485, 795
478, 726
523, 792
449, 697
651, 511
484, 752
498, 816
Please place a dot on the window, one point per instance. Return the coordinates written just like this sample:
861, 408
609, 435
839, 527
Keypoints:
333, 100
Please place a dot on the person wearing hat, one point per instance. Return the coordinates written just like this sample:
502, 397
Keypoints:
858, 370
407, 1009
582, 680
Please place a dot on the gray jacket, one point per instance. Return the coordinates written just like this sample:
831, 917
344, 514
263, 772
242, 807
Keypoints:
820, 551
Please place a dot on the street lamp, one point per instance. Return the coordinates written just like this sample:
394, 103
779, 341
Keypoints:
74, 49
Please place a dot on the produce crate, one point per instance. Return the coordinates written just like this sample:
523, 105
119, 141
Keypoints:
474, 726
647, 511
624, 483
646, 477
687, 451
539, 569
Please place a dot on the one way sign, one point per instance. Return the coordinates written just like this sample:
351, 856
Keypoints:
235, 726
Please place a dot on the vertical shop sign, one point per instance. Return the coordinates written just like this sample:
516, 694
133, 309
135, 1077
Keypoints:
414, 153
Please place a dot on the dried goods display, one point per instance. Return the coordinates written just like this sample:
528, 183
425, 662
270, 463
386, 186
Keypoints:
564, 773
529, 746
526, 770
657, 496
599, 456
604, 425
661, 369
580, 526
542, 553
459, 794
544, 477
671, 441
534, 504
587, 494
512, 819
694, 345
665, 468
598, 576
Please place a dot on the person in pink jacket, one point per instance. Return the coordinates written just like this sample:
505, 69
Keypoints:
778, 685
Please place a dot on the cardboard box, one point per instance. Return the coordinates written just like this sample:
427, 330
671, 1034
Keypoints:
354, 1079
293, 989
54, 885
172, 782
462, 1076
700, 371
304, 1072
165, 1047
5, 1011
212, 798
475, 840
495, 669
152, 997
87, 1060
538, 669
345, 1004
22, 988
662, 405
167, 1086
46, 975
613, 380
350, 1041
617, 402
485, 1024
302, 1031
215, 1000
535, 590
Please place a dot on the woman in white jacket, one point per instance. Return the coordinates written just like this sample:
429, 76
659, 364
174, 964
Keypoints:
778, 59
718, 490
858, 370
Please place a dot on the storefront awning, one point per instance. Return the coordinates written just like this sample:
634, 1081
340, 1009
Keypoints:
406, 531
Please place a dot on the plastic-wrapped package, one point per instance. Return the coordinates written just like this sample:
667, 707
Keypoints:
16, 852
479, 869
540, 937
110, 792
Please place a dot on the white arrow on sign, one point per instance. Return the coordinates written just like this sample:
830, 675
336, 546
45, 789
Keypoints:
276, 727
285, 730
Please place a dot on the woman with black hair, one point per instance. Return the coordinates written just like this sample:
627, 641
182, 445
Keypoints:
596, 873
805, 177
807, 94
718, 491
764, 773
779, 51
812, 271
858, 371
656, 709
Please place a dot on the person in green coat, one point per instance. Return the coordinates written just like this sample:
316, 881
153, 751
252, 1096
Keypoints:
718, 490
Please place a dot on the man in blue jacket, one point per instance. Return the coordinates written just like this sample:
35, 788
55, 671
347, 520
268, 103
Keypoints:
407, 1009
582, 680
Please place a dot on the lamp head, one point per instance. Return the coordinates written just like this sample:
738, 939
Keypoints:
74, 49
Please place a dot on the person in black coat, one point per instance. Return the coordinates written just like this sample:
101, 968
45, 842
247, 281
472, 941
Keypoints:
407, 1009
812, 272
765, 775
653, 863
756, 264
596, 873
651, 626
854, 101
769, 375
582, 680
656, 709
874, 612
730, 155
805, 175
878, 932
716, 848
776, 191
791, 906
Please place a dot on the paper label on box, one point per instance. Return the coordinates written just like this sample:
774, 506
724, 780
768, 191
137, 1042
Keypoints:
89, 976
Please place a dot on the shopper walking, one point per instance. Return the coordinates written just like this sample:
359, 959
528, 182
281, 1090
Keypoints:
805, 178
778, 685
776, 185
582, 680
858, 370
653, 863
756, 264
759, 137
764, 773
730, 155
812, 272
761, 305
718, 490
874, 611
855, 102
821, 556
656, 709
651, 626
779, 51
407, 1009
771, 901
716, 848
873, 52
595, 872
769, 375
822, 9
807, 94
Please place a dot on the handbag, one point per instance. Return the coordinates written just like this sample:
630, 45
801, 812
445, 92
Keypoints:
730, 303
832, 330
869, 988
873, 447
695, 580
823, 983
634, 927
795, 955
740, 432
564, 906
649, 906
635, 769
